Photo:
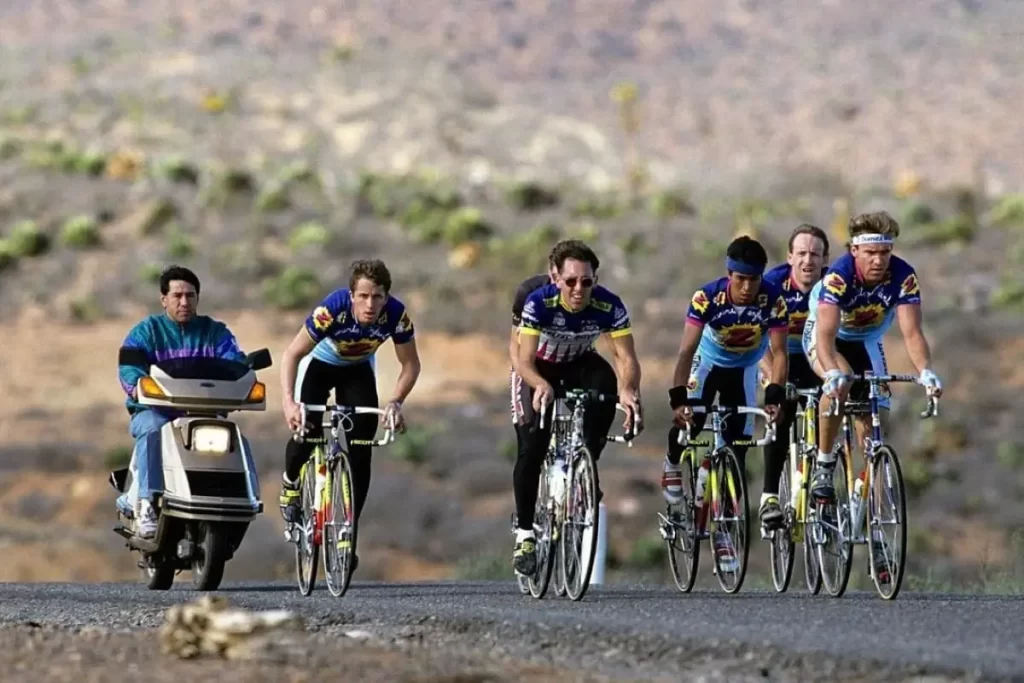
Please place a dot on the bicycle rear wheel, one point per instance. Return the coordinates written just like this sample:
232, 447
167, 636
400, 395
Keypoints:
834, 549
782, 539
684, 541
339, 537
579, 530
731, 541
306, 548
887, 507
812, 571
542, 529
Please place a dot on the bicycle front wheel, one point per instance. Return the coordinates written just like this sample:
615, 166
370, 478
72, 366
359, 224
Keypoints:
579, 530
683, 539
340, 529
833, 536
812, 572
307, 547
887, 523
730, 507
782, 539
543, 526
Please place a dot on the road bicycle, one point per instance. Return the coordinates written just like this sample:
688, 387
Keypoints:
566, 519
327, 508
684, 525
840, 523
794, 493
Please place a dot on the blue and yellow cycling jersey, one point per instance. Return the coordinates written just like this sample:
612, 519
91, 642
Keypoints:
735, 336
342, 340
566, 335
866, 311
796, 303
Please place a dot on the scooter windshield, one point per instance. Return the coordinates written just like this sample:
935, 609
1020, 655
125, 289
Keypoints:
216, 369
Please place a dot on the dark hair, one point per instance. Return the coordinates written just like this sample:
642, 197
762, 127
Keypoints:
373, 270
813, 231
573, 249
878, 222
177, 273
747, 250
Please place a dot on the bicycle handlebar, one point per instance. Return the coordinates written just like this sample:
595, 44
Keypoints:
626, 438
933, 401
389, 433
769, 429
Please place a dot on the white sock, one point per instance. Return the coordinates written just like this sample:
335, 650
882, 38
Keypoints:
669, 467
523, 534
826, 458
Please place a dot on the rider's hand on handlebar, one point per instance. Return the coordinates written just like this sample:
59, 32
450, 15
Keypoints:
773, 412
835, 380
634, 422
293, 415
394, 408
544, 395
682, 416
931, 382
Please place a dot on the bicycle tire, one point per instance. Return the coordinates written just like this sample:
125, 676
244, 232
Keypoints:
306, 549
882, 455
812, 571
581, 470
685, 531
782, 545
836, 581
727, 461
339, 547
538, 583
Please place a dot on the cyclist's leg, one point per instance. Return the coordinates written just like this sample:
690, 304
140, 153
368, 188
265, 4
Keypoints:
313, 384
828, 426
532, 443
697, 385
593, 372
357, 386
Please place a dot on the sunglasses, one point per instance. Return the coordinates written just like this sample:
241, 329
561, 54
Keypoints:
586, 282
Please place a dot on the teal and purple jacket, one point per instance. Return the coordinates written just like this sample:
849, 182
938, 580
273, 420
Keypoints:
160, 338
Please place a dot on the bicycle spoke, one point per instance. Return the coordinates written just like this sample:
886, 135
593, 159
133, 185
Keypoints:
679, 529
306, 548
579, 532
339, 529
782, 539
542, 527
731, 541
887, 528
831, 534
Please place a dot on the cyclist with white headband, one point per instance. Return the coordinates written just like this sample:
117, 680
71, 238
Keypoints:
850, 310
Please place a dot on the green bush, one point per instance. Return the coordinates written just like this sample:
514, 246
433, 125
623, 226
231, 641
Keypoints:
80, 232
26, 239
311, 234
294, 289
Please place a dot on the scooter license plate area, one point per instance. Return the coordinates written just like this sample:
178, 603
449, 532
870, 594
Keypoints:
211, 439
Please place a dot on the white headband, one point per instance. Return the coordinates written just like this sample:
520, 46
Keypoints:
871, 238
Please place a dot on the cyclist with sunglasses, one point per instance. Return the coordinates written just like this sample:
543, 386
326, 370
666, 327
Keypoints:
729, 325
560, 323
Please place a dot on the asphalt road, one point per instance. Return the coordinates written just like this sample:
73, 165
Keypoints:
976, 635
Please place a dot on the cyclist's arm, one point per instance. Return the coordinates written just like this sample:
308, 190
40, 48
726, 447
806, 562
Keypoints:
627, 365
778, 355
687, 348
513, 348
300, 347
825, 332
909, 317
529, 340
765, 365
409, 359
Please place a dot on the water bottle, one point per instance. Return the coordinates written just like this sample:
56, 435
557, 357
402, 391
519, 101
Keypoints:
702, 478
857, 502
556, 479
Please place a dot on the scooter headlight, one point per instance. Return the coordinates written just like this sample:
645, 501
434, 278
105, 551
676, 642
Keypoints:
211, 439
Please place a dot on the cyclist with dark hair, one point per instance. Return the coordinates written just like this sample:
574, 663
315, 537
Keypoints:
335, 350
178, 332
804, 267
560, 323
730, 323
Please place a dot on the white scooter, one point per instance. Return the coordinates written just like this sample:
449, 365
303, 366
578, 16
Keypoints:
210, 492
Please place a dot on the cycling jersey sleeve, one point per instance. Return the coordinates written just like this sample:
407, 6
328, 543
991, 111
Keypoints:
404, 330
700, 304
834, 289
534, 315
779, 316
324, 317
910, 290
620, 325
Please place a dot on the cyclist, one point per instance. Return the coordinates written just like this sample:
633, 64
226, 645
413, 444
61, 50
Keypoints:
805, 265
335, 350
176, 333
730, 323
560, 323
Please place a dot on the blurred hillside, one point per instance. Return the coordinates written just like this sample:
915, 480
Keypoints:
268, 146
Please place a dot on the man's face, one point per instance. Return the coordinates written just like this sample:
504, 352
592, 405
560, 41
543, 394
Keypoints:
180, 302
807, 258
872, 260
368, 299
576, 281
742, 288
